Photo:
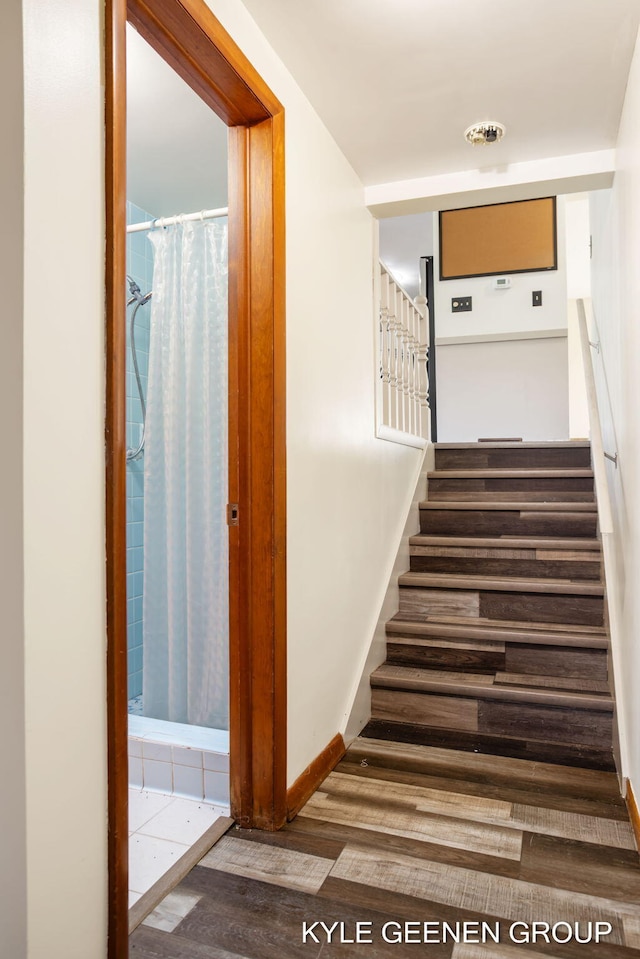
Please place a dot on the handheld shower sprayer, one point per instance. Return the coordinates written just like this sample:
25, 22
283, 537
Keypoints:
136, 296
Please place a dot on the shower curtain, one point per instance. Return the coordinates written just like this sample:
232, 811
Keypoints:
186, 587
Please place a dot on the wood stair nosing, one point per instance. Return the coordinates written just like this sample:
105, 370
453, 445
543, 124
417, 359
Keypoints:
506, 506
527, 445
467, 685
551, 543
543, 636
505, 498
500, 584
513, 473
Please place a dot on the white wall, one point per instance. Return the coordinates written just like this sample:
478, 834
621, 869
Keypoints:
64, 493
615, 226
377, 652
578, 234
13, 881
503, 388
500, 366
345, 487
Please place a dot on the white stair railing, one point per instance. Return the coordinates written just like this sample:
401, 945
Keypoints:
403, 412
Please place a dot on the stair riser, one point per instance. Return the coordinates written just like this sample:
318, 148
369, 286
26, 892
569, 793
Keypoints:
531, 721
562, 661
417, 602
523, 488
439, 657
565, 755
470, 522
505, 567
514, 458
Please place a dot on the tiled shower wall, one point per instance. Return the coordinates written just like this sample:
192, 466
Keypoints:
140, 268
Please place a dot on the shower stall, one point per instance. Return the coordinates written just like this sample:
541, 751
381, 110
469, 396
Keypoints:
177, 538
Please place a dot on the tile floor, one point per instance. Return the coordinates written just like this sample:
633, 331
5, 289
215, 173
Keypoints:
161, 830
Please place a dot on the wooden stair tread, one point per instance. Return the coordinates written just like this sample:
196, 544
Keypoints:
507, 542
511, 506
482, 686
519, 473
551, 444
500, 584
485, 629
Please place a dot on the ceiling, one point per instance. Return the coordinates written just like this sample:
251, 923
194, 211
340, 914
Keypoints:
406, 77
398, 81
176, 145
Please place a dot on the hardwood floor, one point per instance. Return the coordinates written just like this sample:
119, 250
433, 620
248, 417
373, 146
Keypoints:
411, 834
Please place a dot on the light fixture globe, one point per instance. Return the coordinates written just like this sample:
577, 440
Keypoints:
488, 131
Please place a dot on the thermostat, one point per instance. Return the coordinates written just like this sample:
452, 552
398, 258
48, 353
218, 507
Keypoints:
501, 282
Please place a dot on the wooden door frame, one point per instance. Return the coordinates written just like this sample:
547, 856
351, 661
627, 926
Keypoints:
190, 38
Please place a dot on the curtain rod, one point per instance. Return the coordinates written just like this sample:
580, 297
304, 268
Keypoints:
170, 220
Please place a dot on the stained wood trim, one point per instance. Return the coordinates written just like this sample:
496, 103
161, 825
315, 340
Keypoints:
257, 475
195, 44
115, 452
634, 811
308, 781
187, 35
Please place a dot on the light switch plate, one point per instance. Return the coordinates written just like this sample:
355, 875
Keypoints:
461, 304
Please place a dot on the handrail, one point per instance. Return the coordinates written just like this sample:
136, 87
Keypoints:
597, 448
418, 306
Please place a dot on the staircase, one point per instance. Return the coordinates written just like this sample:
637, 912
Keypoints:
499, 645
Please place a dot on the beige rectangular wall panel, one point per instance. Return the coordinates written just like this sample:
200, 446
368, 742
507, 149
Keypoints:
503, 238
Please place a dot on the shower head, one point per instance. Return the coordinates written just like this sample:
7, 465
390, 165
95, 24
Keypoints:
134, 289
136, 293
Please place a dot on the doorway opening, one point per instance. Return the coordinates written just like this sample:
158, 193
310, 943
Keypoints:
193, 43
177, 469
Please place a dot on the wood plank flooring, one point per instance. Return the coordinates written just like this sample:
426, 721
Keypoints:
402, 835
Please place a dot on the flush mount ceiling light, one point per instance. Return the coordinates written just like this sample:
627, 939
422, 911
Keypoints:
486, 132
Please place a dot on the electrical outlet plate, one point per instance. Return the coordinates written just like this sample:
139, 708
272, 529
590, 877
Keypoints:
461, 304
